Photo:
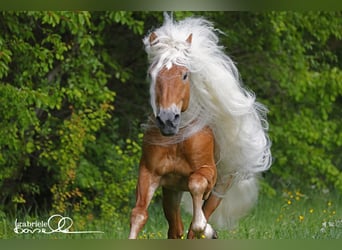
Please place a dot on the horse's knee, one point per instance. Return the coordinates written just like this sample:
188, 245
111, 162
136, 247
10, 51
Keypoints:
203, 180
200, 185
197, 184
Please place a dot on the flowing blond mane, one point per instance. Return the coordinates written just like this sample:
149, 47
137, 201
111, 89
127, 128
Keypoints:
217, 97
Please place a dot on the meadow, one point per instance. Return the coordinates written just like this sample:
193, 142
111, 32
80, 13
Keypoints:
291, 214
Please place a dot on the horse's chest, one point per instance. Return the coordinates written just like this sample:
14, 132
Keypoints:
173, 168
173, 164
173, 161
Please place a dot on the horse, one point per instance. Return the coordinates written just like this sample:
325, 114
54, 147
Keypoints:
207, 135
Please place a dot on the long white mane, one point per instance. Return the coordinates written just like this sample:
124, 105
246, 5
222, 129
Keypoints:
217, 99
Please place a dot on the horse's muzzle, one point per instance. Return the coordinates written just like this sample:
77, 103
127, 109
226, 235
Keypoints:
168, 122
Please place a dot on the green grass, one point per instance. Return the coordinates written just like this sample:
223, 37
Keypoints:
293, 216
289, 215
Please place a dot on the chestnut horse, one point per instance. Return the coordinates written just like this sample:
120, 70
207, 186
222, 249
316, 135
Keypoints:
207, 136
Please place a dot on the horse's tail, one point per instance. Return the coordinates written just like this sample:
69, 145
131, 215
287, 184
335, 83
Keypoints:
236, 203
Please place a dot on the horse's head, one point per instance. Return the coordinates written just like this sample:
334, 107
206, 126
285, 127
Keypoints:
170, 94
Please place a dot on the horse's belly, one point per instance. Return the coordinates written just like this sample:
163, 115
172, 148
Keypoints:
175, 182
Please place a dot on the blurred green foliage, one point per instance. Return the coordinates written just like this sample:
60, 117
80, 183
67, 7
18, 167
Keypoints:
73, 95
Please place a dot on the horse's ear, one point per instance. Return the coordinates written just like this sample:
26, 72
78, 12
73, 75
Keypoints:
189, 39
152, 38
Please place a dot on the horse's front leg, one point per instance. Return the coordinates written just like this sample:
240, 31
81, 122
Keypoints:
213, 202
147, 185
200, 184
172, 211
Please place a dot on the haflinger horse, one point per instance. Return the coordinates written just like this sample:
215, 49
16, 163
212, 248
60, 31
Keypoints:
208, 135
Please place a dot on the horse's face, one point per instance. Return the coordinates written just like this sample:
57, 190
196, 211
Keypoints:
172, 93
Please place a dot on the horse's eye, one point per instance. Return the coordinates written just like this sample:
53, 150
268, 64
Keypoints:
185, 76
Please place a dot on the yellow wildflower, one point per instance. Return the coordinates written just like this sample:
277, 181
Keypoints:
298, 193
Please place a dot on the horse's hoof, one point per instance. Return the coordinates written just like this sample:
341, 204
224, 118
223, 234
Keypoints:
209, 232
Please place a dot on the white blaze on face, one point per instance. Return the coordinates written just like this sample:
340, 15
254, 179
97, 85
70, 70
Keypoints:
153, 75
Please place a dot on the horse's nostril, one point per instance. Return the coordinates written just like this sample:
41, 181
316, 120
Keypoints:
160, 121
177, 116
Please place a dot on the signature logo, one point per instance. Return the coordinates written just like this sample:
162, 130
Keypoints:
55, 224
